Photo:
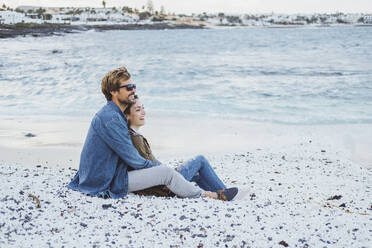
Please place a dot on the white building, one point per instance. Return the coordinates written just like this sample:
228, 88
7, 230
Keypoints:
97, 16
66, 15
353, 18
119, 17
12, 17
367, 19
60, 19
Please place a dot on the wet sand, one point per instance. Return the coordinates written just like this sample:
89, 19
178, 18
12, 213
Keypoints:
173, 136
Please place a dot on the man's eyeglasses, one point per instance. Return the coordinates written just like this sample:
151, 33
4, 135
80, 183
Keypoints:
128, 87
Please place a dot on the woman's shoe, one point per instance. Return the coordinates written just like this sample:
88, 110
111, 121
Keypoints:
227, 194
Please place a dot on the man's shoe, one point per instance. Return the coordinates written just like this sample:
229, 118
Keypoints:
227, 194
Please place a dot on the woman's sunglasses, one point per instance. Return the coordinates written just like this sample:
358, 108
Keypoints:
128, 87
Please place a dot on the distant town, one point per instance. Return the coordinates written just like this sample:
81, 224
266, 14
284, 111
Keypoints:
149, 15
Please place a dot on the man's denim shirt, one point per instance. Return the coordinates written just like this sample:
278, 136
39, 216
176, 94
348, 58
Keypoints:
106, 155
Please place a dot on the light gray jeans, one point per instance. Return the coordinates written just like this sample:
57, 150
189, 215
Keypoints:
162, 175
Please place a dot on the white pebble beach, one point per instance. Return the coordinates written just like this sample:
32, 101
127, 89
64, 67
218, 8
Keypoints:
301, 193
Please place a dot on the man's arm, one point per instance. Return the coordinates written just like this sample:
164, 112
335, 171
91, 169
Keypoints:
116, 135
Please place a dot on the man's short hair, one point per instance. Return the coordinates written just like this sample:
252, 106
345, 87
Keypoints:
111, 81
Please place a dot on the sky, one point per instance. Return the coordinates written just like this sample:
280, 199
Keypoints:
215, 6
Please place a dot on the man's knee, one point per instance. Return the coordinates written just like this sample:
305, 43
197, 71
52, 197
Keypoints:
202, 160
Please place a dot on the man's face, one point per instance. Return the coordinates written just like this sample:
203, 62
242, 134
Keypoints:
126, 92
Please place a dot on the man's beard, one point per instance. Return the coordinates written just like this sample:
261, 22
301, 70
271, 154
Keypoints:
127, 101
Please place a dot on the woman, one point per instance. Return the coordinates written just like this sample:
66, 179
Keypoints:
196, 170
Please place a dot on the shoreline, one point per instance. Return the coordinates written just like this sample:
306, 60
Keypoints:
42, 30
49, 29
59, 140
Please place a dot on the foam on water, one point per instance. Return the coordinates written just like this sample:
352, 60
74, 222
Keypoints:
296, 76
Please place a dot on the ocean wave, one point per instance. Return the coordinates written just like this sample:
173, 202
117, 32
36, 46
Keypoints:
248, 73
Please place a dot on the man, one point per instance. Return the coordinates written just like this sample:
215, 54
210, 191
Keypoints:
108, 151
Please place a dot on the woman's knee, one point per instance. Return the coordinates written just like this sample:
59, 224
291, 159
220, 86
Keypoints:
166, 173
202, 160
163, 169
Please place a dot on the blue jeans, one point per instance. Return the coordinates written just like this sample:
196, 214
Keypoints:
200, 171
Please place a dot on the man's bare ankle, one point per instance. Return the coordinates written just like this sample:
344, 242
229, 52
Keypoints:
210, 194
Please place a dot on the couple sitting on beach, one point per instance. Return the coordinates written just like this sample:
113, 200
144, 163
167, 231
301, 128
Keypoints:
116, 159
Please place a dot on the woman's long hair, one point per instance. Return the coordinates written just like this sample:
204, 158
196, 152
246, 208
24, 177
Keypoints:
129, 106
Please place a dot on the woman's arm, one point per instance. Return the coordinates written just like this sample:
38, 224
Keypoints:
143, 147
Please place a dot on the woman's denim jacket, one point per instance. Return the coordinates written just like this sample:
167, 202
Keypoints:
107, 152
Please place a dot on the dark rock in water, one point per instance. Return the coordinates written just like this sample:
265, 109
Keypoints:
56, 51
335, 197
30, 135
343, 205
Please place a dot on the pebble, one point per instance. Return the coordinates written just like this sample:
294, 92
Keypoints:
30, 135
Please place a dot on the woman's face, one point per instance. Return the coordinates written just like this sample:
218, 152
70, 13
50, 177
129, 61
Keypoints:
137, 114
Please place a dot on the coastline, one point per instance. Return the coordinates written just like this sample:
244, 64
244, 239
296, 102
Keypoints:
41, 30
175, 136
48, 29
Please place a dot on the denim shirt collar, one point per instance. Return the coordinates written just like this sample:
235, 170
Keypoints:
116, 108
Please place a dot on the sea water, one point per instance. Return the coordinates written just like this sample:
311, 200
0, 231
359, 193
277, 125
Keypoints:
278, 75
